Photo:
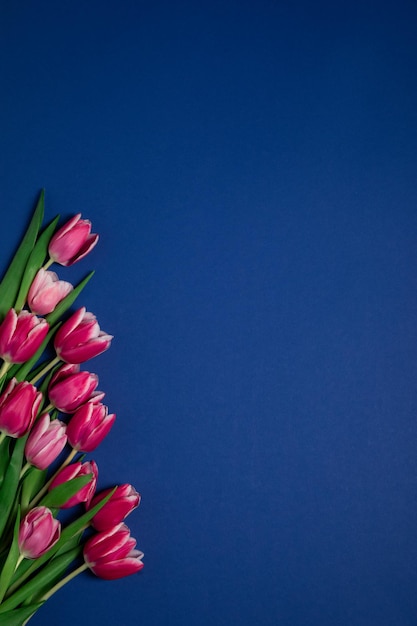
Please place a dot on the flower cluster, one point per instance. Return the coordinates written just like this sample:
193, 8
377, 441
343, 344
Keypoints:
51, 415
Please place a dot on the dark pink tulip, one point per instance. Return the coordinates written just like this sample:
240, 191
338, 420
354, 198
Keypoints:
111, 554
46, 291
38, 532
89, 425
19, 406
80, 338
72, 471
69, 388
72, 242
21, 335
45, 442
117, 508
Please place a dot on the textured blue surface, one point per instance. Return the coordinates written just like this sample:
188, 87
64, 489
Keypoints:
251, 169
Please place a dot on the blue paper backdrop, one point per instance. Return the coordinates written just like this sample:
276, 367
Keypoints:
251, 169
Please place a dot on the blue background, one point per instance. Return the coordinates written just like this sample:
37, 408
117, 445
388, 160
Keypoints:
251, 169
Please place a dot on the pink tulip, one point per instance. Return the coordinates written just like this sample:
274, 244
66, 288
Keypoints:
111, 554
21, 335
19, 406
69, 388
45, 442
38, 532
72, 471
46, 291
117, 508
72, 242
80, 338
88, 426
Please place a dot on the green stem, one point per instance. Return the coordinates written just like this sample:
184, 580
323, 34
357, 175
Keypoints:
4, 368
48, 264
2, 437
25, 468
46, 369
45, 488
64, 581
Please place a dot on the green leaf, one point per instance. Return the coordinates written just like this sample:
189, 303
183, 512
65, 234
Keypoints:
10, 484
61, 494
19, 617
35, 262
65, 304
32, 483
11, 561
49, 573
4, 458
9, 286
27, 568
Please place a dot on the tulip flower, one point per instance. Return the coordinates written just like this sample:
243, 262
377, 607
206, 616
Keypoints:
46, 291
72, 471
38, 532
88, 426
19, 406
21, 335
45, 442
80, 338
72, 242
69, 388
116, 509
111, 554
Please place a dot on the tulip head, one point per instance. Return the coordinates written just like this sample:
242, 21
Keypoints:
45, 442
111, 554
38, 532
69, 388
80, 338
46, 291
72, 471
19, 406
117, 508
89, 425
72, 242
21, 335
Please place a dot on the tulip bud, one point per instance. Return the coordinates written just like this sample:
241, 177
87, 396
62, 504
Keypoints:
72, 471
72, 242
116, 509
69, 388
111, 554
46, 291
19, 406
80, 338
88, 426
38, 532
21, 335
45, 442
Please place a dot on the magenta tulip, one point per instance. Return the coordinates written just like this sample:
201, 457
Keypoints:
46, 441
111, 554
80, 338
21, 335
88, 426
72, 471
117, 508
72, 242
69, 388
46, 291
19, 406
38, 532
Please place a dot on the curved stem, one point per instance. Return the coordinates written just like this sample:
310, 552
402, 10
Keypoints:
47, 264
46, 369
46, 486
64, 581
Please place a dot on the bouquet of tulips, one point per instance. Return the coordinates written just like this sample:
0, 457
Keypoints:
51, 416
